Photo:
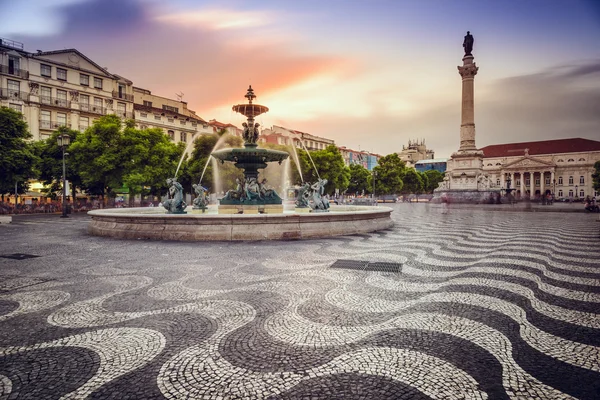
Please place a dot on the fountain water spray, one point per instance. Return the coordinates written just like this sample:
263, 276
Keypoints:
297, 162
215, 147
185, 151
311, 160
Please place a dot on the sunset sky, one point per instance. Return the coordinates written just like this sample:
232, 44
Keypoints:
368, 74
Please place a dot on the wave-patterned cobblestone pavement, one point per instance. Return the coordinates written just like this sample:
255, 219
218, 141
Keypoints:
487, 305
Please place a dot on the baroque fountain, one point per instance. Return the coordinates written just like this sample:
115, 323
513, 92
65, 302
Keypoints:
250, 211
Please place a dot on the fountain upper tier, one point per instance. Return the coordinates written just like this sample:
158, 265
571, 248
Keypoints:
250, 110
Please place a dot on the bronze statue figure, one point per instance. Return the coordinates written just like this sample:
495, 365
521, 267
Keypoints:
468, 44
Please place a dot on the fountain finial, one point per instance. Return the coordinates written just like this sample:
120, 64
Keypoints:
250, 94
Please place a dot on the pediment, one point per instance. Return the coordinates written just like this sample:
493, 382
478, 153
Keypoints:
75, 59
528, 162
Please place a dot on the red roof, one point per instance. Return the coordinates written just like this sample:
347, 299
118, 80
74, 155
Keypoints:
574, 145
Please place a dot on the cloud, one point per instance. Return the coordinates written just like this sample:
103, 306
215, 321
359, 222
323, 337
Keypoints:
218, 19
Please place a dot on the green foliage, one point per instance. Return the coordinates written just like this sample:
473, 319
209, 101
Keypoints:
360, 179
50, 163
17, 155
424, 181
149, 158
390, 172
330, 164
412, 181
433, 179
596, 176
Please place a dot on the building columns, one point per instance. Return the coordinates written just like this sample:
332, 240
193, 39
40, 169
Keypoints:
502, 178
542, 183
522, 175
531, 185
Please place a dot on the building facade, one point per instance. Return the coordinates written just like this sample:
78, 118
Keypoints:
364, 158
172, 116
562, 167
437, 164
59, 88
280, 135
231, 129
415, 151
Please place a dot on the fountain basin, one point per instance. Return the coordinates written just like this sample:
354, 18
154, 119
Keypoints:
149, 223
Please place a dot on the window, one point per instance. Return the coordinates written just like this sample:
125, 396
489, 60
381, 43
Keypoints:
582, 159
498, 182
45, 95
61, 74
194, 124
527, 181
45, 119
97, 102
84, 123
98, 83
498, 163
144, 127
171, 135
570, 180
560, 160
45, 71
61, 98
61, 119
570, 193
16, 107
157, 117
489, 164
537, 181
581, 180
518, 182
560, 180
14, 88
169, 108
581, 193
182, 122
170, 119
570, 160
121, 109
560, 193
14, 63
84, 80
547, 180
144, 115
147, 103
183, 136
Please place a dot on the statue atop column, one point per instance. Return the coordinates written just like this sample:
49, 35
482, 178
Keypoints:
468, 44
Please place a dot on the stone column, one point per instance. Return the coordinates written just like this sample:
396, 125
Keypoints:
542, 183
531, 185
467, 126
522, 175
502, 178
512, 180
552, 181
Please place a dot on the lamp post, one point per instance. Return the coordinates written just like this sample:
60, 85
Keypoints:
576, 192
374, 176
63, 141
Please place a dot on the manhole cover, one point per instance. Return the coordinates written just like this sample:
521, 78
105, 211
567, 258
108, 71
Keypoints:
368, 265
19, 256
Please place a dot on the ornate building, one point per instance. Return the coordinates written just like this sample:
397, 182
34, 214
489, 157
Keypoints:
415, 151
563, 167
59, 88
281, 135
361, 157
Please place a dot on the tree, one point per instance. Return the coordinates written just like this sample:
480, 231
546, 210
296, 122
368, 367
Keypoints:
98, 157
434, 177
149, 159
424, 181
360, 179
17, 156
412, 181
330, 165
50, 163
596, 176
390, 171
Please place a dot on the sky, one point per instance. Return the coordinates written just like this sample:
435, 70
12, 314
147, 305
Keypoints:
370, 74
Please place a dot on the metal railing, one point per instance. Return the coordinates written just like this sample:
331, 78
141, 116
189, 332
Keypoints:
13, 94
121, 95
53, 101
92, 108
8, 70
11, 43
44, 124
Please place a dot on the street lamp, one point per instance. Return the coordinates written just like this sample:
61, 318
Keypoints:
576, 192
63, 141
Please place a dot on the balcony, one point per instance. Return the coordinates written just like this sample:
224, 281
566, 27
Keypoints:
53, 101
13, 94
123, 96
86, 107
52, 125
8, 70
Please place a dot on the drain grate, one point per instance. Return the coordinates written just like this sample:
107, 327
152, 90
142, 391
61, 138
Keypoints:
368, 266
19, 256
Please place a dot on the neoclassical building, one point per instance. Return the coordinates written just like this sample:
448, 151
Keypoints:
563, 167
59, 88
